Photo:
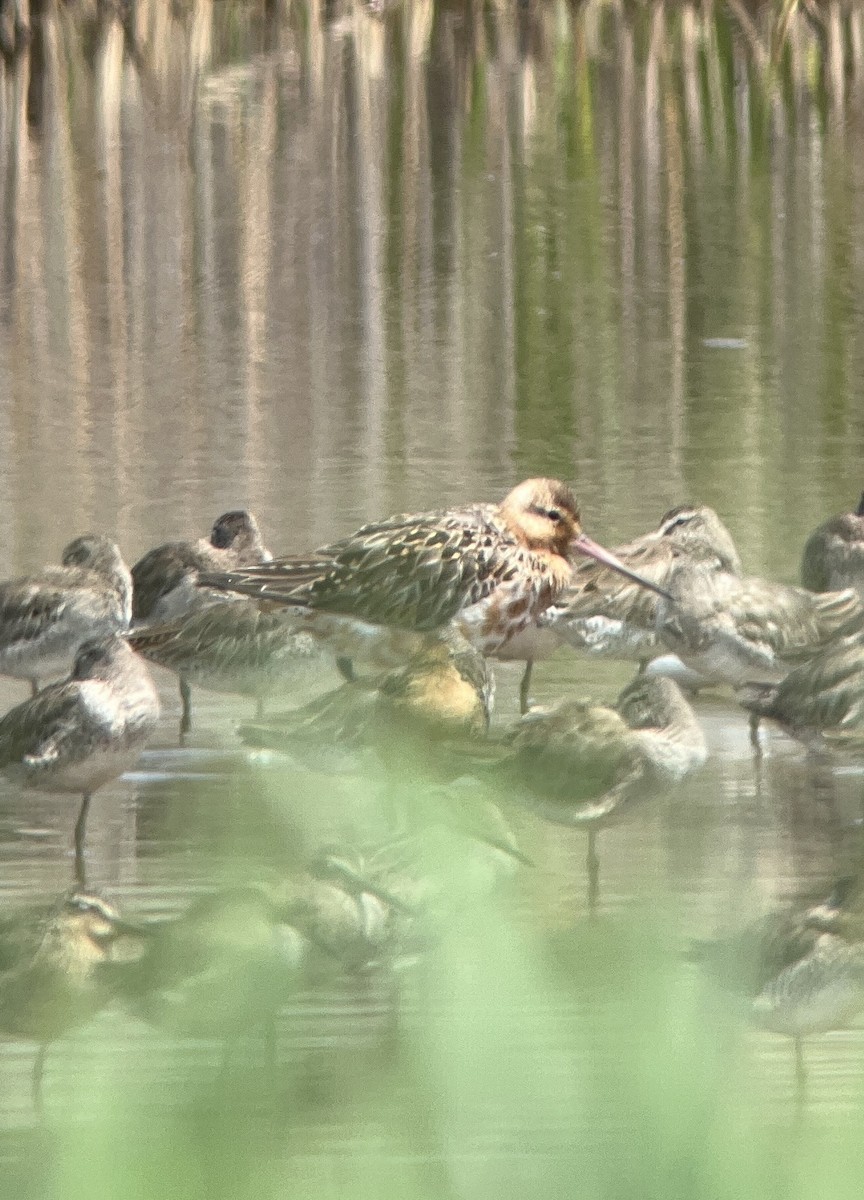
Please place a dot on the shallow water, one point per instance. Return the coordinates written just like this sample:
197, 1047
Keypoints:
336, 263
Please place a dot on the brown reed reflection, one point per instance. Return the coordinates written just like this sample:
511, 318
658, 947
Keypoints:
255, 242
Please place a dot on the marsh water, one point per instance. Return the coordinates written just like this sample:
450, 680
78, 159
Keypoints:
330, 261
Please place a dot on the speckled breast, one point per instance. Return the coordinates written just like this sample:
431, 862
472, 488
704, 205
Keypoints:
509, 611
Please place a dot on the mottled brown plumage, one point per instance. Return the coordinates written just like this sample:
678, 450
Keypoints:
801, 968
579, 762
740, 631
75, 736
233, 646
164, 578
48, 981
493, 568
444, 691
833, 556
50, 961
820, 702
604, 614
584, 764
45, 618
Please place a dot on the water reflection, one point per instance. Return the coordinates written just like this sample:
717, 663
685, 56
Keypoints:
331, 261
391, 260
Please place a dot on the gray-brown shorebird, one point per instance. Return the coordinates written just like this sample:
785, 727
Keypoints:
45, 618
820, 702
234, 646
443, 692
77, 735
50, 960
584, 765
604, 615
164, 579
833, 556
801, 968
742, 631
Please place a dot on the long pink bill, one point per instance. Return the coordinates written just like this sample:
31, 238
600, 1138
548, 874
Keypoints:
584, 545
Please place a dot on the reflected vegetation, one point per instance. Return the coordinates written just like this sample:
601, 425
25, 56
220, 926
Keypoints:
332, 260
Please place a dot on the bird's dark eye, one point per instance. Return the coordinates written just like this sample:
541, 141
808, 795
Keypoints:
553, 514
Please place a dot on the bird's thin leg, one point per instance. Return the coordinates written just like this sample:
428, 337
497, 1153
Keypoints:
80, 835
34, 687
524, 686
346, 668
36, 1078
593, 864
186, 701
259, 708
800, 1072
642, 667
754, 735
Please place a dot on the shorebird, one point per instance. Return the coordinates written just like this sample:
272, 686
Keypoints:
821, 991
750, 631
833, 556
605, 616
164, 580
50, 962
412, 724
801, 968
820, 702
233, 646
584, 765
384, 901
455, 847
740, 631
444, 691
490, 569
347, 916
77, 735
228, 964
224, 966
45, 618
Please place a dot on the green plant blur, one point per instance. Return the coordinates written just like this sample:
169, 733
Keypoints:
523, 1055
526, 1051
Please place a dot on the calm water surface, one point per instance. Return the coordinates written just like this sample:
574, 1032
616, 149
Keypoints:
338, 263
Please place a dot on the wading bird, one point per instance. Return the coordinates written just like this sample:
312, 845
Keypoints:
833, 556
223, 967
164, 578
744, 631
233, 646
50, 962
606, 616
821, 702
491, 569
405, 715
412, 726
585, 765
45, 618
77, 735
801, 968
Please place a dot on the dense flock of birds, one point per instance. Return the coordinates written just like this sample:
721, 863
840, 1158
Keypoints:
411, 610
